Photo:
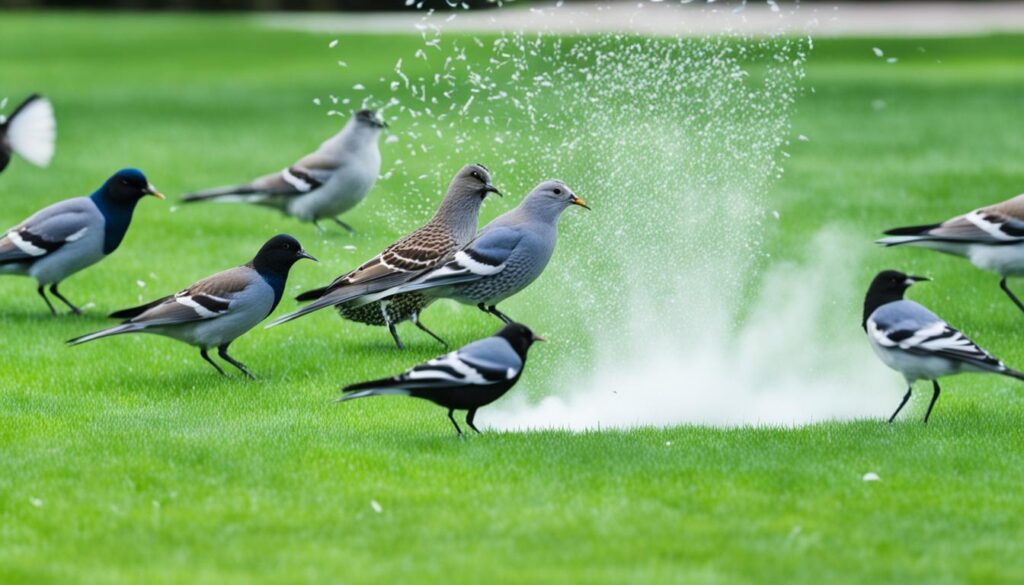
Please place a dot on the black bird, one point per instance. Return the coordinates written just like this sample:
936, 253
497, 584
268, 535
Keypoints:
916, 342
465, 379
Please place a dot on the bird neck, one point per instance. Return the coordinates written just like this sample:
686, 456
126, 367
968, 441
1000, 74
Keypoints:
541, 210
460, 214
117, 216
875, 299
275, 275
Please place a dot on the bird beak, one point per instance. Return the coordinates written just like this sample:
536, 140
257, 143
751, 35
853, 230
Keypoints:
151, 190
383, 124
911, 280
492, 189
305, 254
538, 338
577, 201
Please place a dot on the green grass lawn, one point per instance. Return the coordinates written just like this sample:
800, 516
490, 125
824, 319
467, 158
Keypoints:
128, 460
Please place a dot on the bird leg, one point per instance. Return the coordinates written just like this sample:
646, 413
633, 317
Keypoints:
1013, 297
935, 396
75, 310
206, 357
493, 310
906, 397
42, 293
343, 225
222, 351
469, 421
423, 328
319, 228
394, 334
452, 418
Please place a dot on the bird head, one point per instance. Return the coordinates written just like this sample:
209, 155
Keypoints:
548, 200
894, 282
473, 181
278, 254
369, 118
127, 186
520, 337
887, 287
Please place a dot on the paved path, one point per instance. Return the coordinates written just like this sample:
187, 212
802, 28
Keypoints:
670, 17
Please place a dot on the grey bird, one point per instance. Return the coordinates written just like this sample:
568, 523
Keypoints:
322, 185
507, 255
465, 379
917, 343
991, 238
30, 132
74, 234
215, 311
428, 247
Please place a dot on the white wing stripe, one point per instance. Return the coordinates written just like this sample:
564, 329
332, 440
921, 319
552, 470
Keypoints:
26, 247
977, 218
294, 181
77, 235
199, 309
475, 266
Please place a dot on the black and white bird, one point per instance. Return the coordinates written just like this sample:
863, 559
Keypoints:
430, 246
504, 258
465, 379
991, 238
30, 132
66, 237
322, 185
915, 342
215, 311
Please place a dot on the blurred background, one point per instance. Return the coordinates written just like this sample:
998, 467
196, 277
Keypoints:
330, 5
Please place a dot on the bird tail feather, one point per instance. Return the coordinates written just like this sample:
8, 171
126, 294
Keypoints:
354, 293
1013, 373
133, 312
118, 330
31, 131
231, 194
311, 295
352, 392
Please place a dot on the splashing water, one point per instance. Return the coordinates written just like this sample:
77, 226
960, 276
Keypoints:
655, 301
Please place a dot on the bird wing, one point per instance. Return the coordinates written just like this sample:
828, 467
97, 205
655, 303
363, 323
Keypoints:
481, 363
32, 130
48, 230
207, 299
912, 328
981, 226
309, 173
404, 260
485, 256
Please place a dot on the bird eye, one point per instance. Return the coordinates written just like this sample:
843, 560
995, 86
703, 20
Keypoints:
558, 191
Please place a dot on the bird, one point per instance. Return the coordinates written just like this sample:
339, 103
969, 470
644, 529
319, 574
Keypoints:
74, 234
507, 255
322, 185
991, 238
215, 311
453, 225
465, 379
30, 132
912, 340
